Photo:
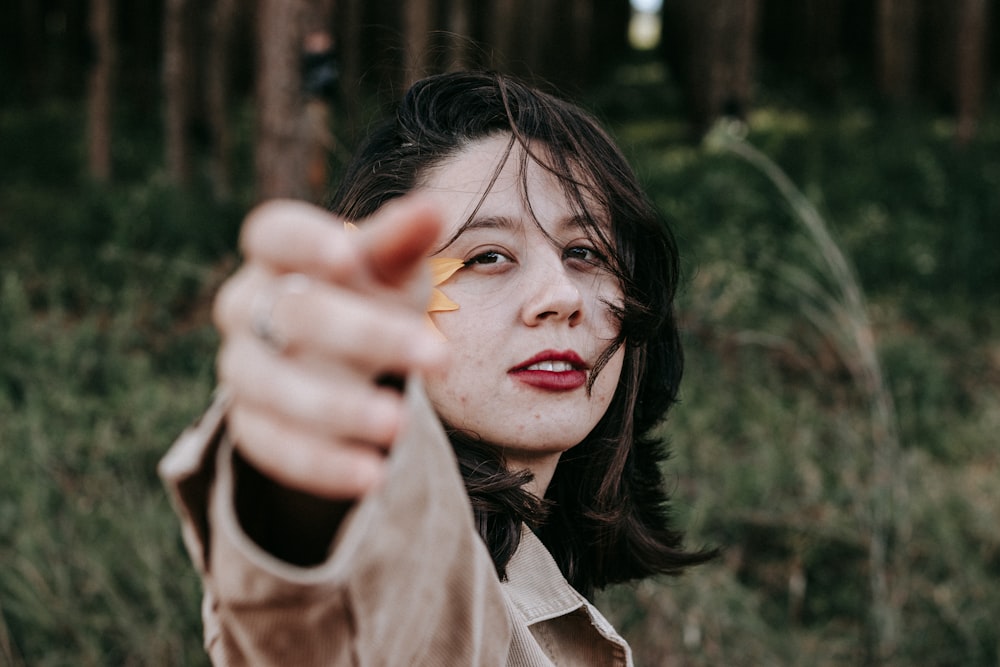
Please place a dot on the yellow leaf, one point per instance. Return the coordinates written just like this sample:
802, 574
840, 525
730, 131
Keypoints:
442, 268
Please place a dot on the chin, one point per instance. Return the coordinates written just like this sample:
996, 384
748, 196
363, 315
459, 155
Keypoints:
544, 443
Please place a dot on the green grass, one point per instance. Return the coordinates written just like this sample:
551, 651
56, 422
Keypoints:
107, 353
93, 573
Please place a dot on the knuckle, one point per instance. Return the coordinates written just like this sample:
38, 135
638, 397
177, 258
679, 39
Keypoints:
255, 225
228, 301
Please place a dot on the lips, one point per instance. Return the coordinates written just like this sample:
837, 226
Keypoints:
552, 370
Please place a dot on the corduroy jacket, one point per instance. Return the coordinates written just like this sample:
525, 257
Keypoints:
408, 580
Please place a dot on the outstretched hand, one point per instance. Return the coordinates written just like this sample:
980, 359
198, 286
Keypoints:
301, 356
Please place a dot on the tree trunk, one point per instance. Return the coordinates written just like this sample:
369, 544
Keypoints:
279, 154
609, 38
711, 49
538, 35
140, 29
580, 68
937, 29
217, 78
896, 30
417, 25
29, 35
293, 138
177, 91
560, 45
742, 21
823, 21
500, 33
318, 43
970, 65
349, 32
99, 89
459, 35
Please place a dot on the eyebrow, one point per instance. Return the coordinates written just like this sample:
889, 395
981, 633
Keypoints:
487, 222
505, 223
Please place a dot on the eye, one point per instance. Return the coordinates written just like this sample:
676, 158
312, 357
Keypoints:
489, 257
585, 254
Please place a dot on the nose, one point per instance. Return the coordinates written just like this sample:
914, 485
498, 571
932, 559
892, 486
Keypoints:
552, 295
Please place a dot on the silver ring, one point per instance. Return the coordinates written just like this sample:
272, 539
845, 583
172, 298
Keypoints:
264, 303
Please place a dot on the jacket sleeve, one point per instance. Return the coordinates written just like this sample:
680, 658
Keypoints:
408, 580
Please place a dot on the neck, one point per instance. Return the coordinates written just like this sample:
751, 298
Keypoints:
542, 468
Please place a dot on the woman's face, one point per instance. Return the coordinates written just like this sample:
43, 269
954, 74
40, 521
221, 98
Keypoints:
533, 314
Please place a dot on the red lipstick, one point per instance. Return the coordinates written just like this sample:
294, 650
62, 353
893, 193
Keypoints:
552, 370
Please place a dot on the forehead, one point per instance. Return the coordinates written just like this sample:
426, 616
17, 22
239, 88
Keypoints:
495, 176
480, 166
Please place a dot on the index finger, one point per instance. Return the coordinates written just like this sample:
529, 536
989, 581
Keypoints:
398, 237
296, 236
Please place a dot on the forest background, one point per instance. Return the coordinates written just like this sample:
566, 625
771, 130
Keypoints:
832, 170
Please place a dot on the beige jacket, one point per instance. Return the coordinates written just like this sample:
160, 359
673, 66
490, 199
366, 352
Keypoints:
408, 580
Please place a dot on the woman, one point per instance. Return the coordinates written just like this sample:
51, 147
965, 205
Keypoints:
320, 495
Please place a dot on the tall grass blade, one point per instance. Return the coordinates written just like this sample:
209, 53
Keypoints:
848, 326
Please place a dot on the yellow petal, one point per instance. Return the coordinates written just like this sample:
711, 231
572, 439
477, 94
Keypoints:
443, 268
440, 303
434, 329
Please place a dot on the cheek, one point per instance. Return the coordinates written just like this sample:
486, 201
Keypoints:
607, 382
462, 336
449, 401
453, 387
604, 299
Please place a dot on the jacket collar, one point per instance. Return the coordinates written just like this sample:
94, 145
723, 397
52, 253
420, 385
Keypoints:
535, 584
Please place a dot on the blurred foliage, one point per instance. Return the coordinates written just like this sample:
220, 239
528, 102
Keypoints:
773, 437
107, 353
106, 349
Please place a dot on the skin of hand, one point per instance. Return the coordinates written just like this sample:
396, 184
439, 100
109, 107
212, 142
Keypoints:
313, 417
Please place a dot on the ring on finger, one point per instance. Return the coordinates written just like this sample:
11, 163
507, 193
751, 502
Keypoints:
262, 314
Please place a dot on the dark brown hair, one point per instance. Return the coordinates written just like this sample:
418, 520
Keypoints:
605, 517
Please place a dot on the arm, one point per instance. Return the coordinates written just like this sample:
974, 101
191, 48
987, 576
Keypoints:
407, 580
395, 574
